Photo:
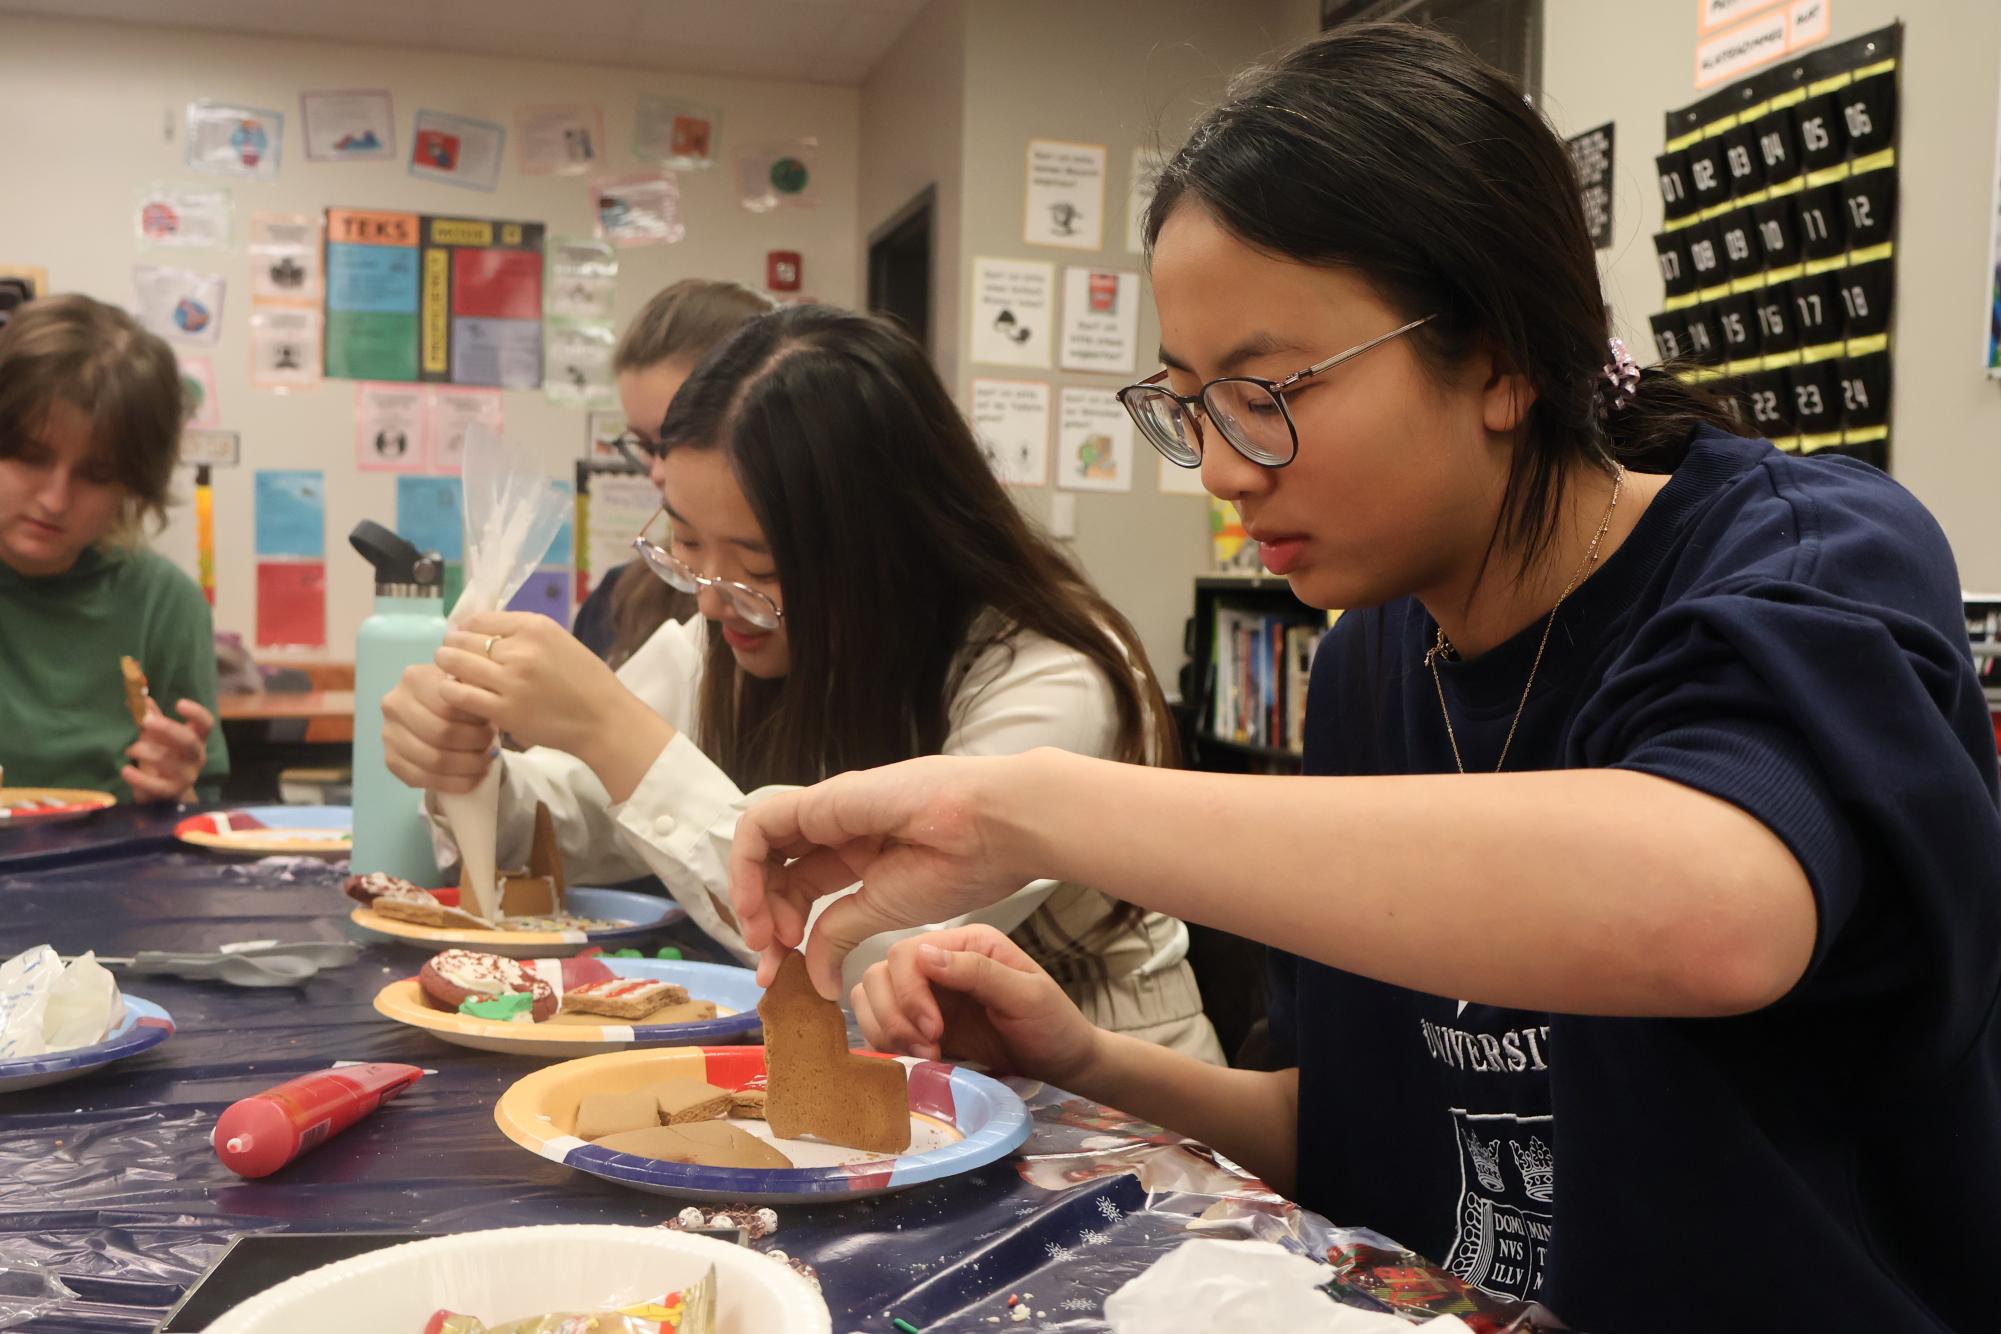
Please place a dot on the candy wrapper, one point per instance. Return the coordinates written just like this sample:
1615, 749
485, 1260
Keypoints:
1214, 1284
691, 1311
46, 1007
512, 514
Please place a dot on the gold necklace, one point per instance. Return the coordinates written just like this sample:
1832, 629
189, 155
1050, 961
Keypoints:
1443, 646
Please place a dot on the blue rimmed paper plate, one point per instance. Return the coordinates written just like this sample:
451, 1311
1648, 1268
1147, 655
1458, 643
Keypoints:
959, 1121
272, 831
640, 914
144, 1026
733, 990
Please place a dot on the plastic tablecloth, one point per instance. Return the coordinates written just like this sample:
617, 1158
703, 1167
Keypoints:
112, 1201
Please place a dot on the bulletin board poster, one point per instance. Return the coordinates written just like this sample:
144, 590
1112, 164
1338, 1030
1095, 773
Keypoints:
444, 300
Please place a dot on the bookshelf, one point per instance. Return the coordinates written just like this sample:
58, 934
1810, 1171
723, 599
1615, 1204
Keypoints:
1249, 643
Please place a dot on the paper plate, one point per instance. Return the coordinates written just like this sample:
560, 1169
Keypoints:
646, 914
144, 1025
734, 990
512, 1273
959, 1121
41, 805
286, 831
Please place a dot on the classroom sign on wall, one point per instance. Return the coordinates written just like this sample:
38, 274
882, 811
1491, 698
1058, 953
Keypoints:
439, 299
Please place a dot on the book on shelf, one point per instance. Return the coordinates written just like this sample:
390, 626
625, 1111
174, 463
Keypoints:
1260, 665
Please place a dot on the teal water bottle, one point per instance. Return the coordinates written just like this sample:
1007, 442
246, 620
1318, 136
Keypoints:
408, 625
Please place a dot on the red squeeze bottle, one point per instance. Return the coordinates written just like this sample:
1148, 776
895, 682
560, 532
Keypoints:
260, 1134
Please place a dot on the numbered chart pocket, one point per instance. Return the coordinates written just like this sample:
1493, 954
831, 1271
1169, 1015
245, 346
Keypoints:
1768, 403
1863, 293
1743, 161
1779, 146
1708, 177
1779, 232
1823, 133
1778, 330
1865, 391
1869, 205
1737, 324
1743, 251
1817, 309
1677, 192
1817, 396
1823, 220
1677, 267
1869, 113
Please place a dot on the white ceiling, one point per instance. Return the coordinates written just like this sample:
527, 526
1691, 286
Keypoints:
812, 41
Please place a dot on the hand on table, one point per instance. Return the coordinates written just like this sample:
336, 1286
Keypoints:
168, 756
920, 836
971, 994
426, 742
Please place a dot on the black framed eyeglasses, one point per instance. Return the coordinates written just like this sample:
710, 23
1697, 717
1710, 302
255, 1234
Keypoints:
637, 449
747, 602
1250, 412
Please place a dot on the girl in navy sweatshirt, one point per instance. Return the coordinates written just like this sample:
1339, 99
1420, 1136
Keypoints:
1636, 931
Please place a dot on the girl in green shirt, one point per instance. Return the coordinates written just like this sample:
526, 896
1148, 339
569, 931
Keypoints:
90, 420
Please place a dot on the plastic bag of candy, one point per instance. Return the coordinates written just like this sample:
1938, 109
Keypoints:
689, 1311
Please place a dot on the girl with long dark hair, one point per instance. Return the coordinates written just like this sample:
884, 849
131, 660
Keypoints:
868, 593
1636, 933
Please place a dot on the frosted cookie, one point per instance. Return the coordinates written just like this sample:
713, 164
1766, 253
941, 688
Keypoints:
453, 977
625, 998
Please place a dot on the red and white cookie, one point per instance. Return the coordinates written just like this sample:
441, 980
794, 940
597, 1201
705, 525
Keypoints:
453, 977
623, 997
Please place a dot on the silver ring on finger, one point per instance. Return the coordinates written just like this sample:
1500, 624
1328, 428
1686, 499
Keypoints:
491, 640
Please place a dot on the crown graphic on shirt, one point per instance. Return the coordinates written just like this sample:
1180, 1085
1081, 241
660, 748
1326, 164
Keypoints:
1537, 1166
1486, 1160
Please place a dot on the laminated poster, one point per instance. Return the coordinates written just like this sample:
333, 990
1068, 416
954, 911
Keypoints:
196, 217
639, 210
676, 133
228, 140
1100, 321
1094, 442
561, 140
389, 424
456, 150
178, 304
287, 259
285, 350
1013, 308
1011, 422
348, 126
1066, 195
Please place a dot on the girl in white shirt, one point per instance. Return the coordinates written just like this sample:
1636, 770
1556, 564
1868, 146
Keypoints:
868, 593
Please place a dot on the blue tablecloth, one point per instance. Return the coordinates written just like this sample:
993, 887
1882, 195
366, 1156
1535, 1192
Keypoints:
108, 1182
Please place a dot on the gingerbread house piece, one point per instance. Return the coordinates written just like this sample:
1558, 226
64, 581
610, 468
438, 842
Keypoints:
540, 889
814, 1085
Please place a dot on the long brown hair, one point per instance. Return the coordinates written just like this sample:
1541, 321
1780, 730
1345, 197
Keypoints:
681, 323
900, 556
1393, 150
95, 357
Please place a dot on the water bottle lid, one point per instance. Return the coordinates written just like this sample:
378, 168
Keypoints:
400, 569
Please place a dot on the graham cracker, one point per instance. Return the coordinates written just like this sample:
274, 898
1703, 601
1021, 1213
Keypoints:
711, 1143
601, 1114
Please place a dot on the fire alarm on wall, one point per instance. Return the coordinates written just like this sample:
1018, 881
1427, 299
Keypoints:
782, 270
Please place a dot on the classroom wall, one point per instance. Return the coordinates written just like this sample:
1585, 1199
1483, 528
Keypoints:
92, 112
1124, 73
1631, 63
913, 136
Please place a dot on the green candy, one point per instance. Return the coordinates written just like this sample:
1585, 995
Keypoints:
665, 952
623, 954
512, 1008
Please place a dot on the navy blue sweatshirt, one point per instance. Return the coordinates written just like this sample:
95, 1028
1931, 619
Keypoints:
1785, 634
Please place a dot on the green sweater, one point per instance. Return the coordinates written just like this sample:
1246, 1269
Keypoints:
63, 720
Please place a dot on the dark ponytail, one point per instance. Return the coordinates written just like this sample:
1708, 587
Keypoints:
1394, 150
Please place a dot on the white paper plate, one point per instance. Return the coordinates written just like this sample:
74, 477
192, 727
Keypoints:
510, 1273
